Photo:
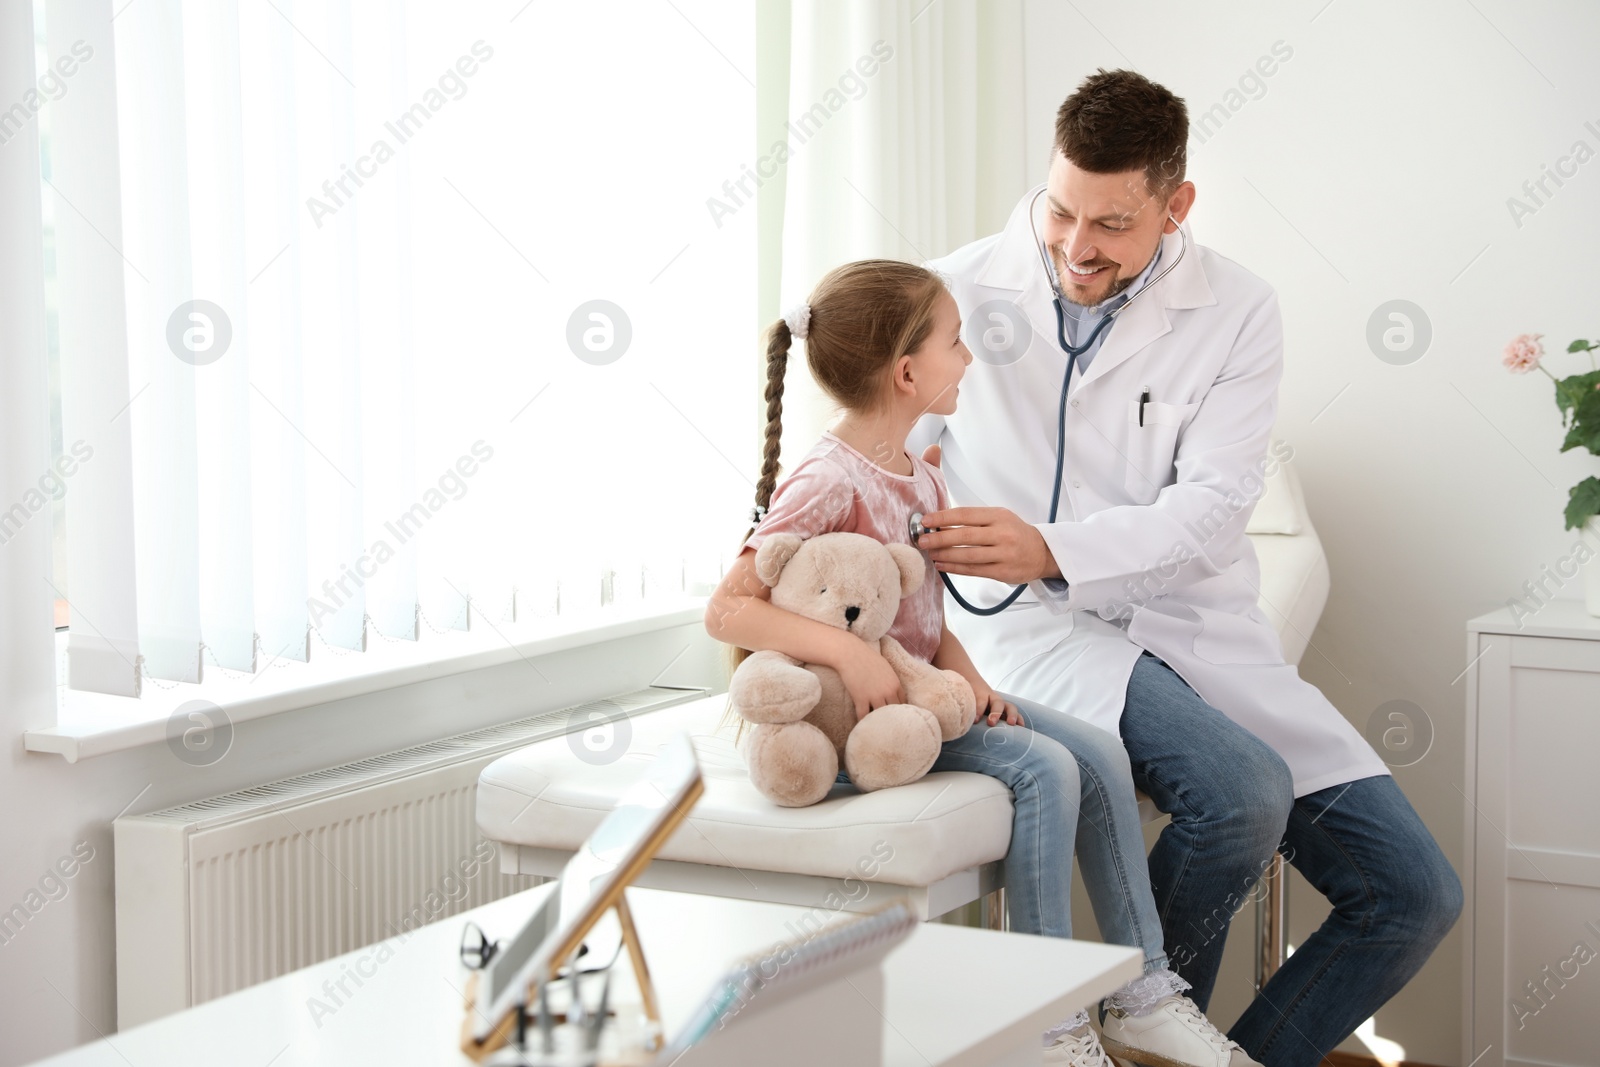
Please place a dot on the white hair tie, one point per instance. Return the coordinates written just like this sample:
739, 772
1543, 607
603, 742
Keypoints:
798, 319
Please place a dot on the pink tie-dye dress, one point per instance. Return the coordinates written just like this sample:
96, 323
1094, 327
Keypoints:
837, 488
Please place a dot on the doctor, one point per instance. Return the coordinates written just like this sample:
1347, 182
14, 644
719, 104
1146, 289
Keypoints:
1139, 611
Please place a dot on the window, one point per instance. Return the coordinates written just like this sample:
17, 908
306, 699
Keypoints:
366, 312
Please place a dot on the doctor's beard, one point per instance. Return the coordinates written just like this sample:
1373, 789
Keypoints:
1093, 296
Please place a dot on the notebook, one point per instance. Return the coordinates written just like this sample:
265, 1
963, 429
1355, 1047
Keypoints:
793, 968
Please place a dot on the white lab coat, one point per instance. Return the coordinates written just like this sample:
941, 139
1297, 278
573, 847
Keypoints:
1164, 504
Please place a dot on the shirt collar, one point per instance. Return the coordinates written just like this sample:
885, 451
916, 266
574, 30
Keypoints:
1138, 283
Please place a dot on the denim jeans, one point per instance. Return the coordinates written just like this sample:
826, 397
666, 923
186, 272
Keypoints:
1071, 789
1231, 798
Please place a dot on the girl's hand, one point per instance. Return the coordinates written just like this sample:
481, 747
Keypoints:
867, 677
993, 705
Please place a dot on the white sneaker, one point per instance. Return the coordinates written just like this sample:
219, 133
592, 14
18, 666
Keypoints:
1079, 1048
1175, 1034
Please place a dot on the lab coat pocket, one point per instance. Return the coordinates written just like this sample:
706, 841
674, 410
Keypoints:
1225, 637
1152, 446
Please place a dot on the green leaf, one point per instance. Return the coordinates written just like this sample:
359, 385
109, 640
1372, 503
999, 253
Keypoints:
1585, 429
1580, 345
1583, 503
1574, 390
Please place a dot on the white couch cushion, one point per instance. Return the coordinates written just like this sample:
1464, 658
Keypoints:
1294, 586
1294, 569
546, 796
1282, 507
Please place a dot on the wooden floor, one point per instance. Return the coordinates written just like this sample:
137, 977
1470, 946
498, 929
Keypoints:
1352, 1059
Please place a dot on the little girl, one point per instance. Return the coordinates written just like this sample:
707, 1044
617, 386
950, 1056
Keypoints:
883, 339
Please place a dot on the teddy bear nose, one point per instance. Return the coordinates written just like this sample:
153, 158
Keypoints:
851, 613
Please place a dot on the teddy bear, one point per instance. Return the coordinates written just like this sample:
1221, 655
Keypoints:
804, 719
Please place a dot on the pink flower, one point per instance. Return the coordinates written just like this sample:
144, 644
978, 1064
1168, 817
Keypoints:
1523, 353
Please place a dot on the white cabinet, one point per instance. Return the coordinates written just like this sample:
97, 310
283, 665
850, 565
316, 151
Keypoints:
1532, 873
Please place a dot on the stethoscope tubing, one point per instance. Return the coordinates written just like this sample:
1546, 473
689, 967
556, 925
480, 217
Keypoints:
1073, 352
1061, 451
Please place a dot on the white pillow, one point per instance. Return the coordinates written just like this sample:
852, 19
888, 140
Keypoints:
1281, 505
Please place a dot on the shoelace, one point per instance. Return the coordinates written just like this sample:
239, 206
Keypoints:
1086, 1050
1206, 1027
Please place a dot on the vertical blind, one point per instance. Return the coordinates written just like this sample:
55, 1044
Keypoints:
375, 318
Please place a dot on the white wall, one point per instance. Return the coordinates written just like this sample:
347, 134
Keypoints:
1384, 150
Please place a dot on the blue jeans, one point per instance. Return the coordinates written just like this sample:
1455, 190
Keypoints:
1072, 789
1231, 798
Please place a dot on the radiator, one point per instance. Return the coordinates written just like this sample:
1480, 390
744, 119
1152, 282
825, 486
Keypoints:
225, 892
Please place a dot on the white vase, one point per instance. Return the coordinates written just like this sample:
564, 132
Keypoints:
1591, 569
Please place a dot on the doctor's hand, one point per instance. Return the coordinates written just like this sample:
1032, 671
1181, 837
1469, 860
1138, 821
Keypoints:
867, 676
987, 542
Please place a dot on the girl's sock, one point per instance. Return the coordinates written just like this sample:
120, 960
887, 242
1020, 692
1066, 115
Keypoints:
1140, 996
1060, 1030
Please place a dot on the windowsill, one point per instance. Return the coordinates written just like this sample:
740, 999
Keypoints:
95, 724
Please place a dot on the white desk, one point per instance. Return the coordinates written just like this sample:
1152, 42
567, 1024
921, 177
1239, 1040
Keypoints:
952, 996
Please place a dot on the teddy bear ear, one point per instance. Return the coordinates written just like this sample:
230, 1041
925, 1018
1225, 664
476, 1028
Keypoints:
912, 568
774, 554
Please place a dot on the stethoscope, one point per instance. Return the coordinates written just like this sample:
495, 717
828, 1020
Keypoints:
1073, 352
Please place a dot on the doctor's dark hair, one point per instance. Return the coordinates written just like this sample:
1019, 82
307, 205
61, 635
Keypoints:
1119, 120
864, 316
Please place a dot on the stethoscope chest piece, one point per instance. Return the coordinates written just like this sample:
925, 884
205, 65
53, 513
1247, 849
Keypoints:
916, 528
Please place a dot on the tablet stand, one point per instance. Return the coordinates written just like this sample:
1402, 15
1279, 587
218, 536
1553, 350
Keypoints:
666, 794
515, 1029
